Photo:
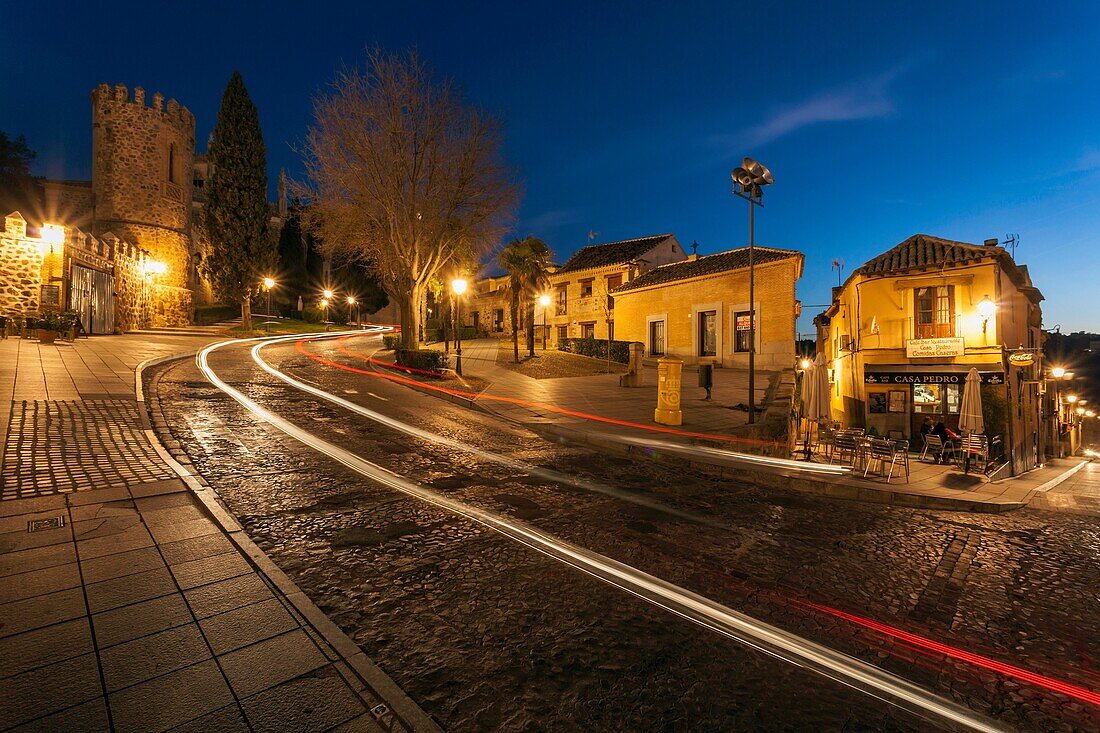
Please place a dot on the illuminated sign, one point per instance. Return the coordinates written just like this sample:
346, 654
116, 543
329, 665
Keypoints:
1024, 359
896, 377
931, 348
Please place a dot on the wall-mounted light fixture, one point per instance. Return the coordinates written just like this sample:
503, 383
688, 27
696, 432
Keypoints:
986, 309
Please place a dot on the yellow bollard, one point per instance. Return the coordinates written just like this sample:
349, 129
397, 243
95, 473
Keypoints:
669, 371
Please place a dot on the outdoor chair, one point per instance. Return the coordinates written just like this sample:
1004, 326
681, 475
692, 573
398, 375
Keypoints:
826, 439
893, 452
976, 449
935, 447
846, 444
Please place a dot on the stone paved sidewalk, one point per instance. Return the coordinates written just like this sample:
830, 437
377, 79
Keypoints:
126, 602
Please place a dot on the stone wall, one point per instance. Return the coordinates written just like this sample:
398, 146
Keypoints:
20, 269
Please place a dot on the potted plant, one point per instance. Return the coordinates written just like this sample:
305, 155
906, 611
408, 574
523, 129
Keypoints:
50, 324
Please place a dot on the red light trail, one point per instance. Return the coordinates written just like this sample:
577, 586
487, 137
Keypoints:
922, 643
300, 345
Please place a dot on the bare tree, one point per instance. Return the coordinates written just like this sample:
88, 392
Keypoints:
405, 177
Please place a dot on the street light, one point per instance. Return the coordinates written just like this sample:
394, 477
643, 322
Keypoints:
1058, 372
544, 301
327, 293
749, 180
458, 286
353, 301
1071, 398
269, 283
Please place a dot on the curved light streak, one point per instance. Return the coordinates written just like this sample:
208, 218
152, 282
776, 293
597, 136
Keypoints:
709, 614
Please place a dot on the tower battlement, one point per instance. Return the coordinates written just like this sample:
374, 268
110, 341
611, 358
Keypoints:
106, 97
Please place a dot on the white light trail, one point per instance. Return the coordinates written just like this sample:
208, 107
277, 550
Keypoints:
709, 614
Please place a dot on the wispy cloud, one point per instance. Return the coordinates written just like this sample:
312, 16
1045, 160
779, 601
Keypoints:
1089, 160
550, 220
863, 99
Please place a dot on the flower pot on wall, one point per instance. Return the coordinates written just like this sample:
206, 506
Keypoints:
46, 337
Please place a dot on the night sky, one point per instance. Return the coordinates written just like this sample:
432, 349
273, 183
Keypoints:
878, 123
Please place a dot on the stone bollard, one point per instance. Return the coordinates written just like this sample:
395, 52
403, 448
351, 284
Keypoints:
633, 376
669, 375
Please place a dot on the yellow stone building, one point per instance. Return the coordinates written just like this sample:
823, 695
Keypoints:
698, 309
579, 288
905, 328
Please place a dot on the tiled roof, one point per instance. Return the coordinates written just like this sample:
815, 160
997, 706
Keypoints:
733, 259
611, 253
922, 250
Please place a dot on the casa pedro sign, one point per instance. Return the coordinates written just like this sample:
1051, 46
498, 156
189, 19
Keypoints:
894, 377
932, 348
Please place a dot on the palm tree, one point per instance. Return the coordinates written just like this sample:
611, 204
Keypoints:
526, 261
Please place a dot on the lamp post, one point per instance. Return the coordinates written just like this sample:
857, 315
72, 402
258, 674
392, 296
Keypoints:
353, 301
458, 287
269, 283
544, 301
749, 180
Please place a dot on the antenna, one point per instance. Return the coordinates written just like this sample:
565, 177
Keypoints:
1011, 240
838, 265
592, 234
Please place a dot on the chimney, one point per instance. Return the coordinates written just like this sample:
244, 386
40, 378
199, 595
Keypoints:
992, 242
692, 257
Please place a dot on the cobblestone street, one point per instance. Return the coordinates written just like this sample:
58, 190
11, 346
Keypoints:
463, 618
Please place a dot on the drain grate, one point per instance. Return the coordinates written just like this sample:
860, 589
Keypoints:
40, 525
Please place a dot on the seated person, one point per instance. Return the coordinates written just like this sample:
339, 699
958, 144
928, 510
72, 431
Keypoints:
946, 434
925, 427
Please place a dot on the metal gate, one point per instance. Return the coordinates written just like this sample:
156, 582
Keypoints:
93, 298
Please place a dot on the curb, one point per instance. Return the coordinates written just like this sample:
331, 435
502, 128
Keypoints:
385, 699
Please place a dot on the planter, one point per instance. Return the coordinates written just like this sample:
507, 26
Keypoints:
46, 337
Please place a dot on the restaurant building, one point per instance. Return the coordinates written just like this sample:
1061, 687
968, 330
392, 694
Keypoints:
906, 327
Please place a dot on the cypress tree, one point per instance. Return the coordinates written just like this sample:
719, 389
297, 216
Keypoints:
236, 213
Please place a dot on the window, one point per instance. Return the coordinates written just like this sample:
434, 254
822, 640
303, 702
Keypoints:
586, 288
741, 341
656, 338
952, 397
498, 319
614, 281
171, 162
563, 333
588, 330
708, 333
562, 296
926, 398
934, 308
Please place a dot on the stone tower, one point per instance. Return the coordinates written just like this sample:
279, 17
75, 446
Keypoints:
143, 161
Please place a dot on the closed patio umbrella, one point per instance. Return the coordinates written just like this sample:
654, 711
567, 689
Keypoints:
970, 412
819, 407
815, 395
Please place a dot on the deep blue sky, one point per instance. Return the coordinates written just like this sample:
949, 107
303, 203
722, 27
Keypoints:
626, 118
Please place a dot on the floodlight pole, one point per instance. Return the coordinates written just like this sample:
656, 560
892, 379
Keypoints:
752, 313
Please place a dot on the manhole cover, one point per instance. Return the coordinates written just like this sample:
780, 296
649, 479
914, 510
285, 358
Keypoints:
39, 525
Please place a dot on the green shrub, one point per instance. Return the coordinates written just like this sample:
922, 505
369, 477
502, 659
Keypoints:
208, 315
426, 359
597, 348
391, 341
58, 322
313, 314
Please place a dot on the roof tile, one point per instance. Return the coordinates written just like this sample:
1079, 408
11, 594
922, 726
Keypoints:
611, 253
733, 259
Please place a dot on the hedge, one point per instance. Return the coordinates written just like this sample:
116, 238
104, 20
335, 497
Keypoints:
391, 341
597, 348
208, 315
426, 359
